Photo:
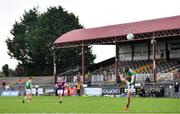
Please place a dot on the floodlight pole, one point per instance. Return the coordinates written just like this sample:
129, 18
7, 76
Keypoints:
54, 65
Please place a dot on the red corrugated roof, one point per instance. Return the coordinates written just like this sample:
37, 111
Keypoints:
120, 30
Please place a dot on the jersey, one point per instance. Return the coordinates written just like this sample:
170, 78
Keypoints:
60, 85
78, 87
129, 74
28, 85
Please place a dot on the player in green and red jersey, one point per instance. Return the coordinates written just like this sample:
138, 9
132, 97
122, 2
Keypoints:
28, 88
129, 79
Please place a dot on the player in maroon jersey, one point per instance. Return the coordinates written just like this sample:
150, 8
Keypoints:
61, 85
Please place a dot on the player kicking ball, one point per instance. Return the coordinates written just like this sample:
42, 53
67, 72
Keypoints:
60, 91
28, 87
129, 79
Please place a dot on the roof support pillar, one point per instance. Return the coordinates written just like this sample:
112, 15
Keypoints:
54, 65
149, 49
83, 63
153, 42
117, 62
132, 54
167, 50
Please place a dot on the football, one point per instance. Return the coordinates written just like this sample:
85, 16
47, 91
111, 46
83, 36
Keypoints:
130, 36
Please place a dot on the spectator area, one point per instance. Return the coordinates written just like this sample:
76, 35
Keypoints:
140, 66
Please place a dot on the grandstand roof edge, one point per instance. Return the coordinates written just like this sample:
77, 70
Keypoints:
111, 31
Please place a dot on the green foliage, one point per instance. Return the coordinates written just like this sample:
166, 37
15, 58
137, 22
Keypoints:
33, 39
5, 69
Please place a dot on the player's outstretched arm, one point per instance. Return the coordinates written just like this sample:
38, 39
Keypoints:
121, 76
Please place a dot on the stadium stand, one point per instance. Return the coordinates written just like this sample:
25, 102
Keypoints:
140, 66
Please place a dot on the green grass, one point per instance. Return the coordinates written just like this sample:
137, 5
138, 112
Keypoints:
49, 104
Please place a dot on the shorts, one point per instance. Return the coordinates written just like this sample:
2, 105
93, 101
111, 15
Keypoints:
60, 91
131, 88
28, 91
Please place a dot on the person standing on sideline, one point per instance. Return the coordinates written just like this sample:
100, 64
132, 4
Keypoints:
128, 77
20, 84
69, 90
4, 84
28, 87
56, 89
176, 89
78, 89
60, 91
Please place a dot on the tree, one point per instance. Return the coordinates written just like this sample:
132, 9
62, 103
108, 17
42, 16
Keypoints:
33, 39
5, 69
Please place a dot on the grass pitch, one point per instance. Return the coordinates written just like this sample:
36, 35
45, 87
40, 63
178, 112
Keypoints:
92, 105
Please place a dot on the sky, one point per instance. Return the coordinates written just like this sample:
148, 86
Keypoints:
91, 13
